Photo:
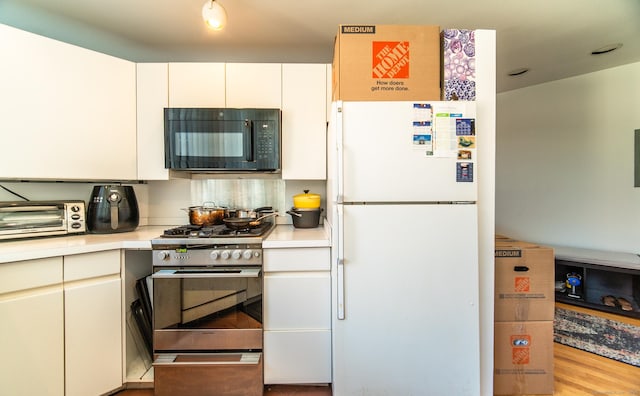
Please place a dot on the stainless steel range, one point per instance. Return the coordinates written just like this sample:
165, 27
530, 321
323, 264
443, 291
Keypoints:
207, 310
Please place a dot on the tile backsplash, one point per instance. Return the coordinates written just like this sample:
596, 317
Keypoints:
167, 202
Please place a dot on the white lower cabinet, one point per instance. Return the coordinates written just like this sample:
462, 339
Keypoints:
297, 357
61, 325
93, 323
32, 328
297, 316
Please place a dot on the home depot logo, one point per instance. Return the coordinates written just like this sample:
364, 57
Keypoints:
390, 59
522, 283
520, 349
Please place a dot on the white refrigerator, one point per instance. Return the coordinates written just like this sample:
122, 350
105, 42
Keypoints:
402, 194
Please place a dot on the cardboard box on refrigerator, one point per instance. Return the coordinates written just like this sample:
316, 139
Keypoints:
524, 282
386, 62
523, 358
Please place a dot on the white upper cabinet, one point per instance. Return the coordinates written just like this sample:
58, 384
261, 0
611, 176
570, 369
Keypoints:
153, 91
256, 85
304, 121
67, 112
197, 84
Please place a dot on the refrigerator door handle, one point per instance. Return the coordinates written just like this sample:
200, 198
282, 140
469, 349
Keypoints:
340, 264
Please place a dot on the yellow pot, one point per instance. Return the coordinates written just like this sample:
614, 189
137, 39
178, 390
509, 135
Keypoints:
306, 200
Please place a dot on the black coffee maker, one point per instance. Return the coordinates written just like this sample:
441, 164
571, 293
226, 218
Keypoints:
112, 209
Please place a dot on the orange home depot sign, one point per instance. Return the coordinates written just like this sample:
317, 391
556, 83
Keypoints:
390, 59
522, 284
520, 345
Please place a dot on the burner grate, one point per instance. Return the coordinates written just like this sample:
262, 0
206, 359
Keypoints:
194, 231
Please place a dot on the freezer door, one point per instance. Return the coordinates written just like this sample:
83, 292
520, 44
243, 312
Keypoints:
383, 162
411, 318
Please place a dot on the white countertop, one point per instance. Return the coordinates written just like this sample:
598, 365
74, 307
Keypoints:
282, 237
287, 236
599, 257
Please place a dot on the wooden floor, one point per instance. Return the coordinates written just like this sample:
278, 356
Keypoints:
577, 373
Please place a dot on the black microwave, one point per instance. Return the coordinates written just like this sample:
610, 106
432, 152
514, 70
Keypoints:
222, 139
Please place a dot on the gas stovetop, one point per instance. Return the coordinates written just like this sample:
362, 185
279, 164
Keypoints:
216, 234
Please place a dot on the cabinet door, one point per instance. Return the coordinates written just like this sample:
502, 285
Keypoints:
297, 357
196, 85
298, 300
68, 111
32, 328
256, 85
304, 121
93, 323
153, 90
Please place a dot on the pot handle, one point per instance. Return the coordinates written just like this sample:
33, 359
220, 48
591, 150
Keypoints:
294, 213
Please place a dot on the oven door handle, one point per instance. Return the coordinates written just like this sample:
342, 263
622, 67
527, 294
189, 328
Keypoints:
207, 273
244, 358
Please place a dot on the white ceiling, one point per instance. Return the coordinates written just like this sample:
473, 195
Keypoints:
554, 38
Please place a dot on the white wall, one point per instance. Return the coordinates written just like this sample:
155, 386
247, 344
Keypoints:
564, 163
60, 191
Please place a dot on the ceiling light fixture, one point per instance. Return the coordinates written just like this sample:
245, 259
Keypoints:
518, 72
606, 49
214, 15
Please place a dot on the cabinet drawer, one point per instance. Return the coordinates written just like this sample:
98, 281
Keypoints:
299, 300
297, 259
91, 265
297, 357
21, 275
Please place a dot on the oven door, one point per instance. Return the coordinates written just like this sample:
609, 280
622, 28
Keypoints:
207, 308
32, 220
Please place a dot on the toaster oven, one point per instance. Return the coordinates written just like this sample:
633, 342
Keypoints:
27, 219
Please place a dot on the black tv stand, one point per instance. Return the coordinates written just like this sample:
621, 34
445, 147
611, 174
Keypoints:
598, 274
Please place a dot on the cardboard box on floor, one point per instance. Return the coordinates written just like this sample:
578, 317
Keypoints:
386, 62
523, 359
524, 282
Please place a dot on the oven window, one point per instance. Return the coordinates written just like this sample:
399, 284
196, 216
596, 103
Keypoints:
207, 301
31, 217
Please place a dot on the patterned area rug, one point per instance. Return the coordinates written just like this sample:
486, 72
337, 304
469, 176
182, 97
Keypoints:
604, 337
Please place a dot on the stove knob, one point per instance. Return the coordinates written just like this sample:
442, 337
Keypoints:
163, 255
236, 254
247, 254
256, 254
214, 255
225, 255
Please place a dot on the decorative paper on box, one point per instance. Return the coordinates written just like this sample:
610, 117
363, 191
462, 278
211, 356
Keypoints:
459, 64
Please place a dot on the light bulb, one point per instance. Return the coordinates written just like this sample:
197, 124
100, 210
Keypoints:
214, 15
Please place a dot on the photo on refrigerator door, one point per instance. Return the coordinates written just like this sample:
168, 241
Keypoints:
465, 155
466, 142
464, 172
465, 126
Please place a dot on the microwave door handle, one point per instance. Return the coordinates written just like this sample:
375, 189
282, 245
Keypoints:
249, 140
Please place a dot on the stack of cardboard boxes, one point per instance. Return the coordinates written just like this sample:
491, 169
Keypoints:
524, 311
